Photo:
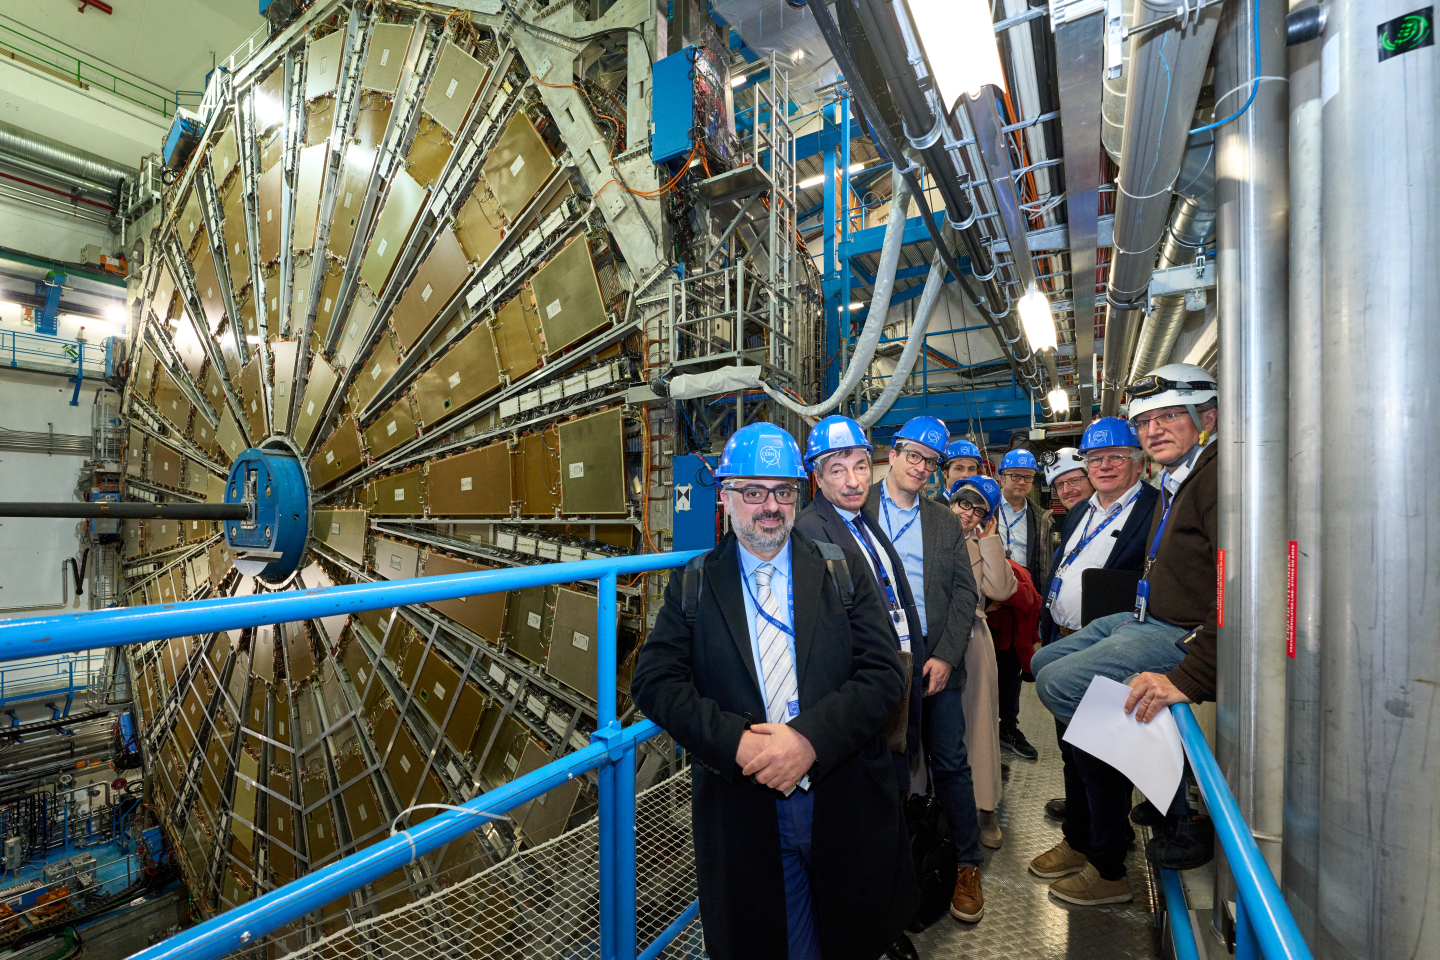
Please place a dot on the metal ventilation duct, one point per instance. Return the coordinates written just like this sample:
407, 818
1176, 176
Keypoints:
61, 161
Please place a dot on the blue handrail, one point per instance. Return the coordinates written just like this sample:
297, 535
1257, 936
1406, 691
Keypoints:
611, 750
1263, 923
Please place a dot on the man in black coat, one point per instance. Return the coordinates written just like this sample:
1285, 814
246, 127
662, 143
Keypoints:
800, 841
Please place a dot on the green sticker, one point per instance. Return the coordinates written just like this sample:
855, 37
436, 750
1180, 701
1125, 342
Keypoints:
1403, 34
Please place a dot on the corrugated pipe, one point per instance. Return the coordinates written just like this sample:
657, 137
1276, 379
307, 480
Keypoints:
1190, 230
914, 343
62, 161
1167, 67
879, 307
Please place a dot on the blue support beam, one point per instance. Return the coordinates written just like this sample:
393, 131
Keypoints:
869, 240
827, 136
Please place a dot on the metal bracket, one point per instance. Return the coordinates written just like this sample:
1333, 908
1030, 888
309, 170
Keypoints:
611, 736
1183, 278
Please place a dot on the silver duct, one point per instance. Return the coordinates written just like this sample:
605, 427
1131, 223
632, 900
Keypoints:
1190, 228
1380, 659
65, 163
1299, 869
1253, 189
1167, 65
1112, 97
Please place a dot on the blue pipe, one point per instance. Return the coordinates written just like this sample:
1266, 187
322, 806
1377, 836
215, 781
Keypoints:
687, 916
1182, 934
1263, 910
74, 632
243, 925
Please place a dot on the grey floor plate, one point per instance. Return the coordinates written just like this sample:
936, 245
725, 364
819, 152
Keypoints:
1022, 921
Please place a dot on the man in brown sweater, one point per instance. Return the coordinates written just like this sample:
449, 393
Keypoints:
1166, 648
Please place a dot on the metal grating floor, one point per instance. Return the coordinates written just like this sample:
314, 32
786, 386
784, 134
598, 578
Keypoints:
1022, 921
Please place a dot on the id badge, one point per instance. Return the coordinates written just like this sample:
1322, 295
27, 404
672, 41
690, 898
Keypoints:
1142, 599
792, 709
902, 628
1054, 591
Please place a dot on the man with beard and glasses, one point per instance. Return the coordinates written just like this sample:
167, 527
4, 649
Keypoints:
773, 662
837, 454
928, 539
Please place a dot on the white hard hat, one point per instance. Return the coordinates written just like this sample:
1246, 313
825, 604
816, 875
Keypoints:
1067, 460
1173, 385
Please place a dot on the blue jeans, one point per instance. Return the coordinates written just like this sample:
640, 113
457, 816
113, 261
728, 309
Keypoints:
1097, 796
797, 814
950, 767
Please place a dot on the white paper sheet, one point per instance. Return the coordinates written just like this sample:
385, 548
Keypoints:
1150, 754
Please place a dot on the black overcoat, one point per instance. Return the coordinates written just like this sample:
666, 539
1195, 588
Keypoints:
701, 687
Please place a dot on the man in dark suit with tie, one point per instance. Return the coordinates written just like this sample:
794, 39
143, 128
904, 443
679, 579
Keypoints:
837, 455
779, 689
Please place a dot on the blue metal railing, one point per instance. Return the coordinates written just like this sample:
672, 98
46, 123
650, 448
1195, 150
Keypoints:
49, 677
611, 751
1263, 924
20, 349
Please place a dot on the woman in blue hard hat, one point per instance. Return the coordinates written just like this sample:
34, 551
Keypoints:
779, 689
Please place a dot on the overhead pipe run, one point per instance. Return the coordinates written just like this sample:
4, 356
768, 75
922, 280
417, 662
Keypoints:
1167, 67
1190, 229
914, 343
61, 161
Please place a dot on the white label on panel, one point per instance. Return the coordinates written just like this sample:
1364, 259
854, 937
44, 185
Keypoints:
375, 372
454, 380
439, 691
310, 408
405, 762
327, 304
533, 620
496, 673
516, 165
363, 815
380, 250
511, 762
281, 728
347, 199
269, 214
354, 329
580, 641
466, 484
329, 457
209, 293
363, 677
399, 493
552, 309
395, 561
577, 470
320, 828
425, 294
384, 59
449, 95
257, 713
334, 529
390, 430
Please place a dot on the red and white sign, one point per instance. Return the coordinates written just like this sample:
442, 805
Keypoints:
1219, 588
1292, 562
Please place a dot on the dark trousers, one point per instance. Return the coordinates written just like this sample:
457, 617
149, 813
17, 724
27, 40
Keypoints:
950, 768
1008, 662
1097, 809
796, 815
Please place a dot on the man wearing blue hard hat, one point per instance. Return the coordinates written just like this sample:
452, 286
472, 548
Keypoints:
837, 454
1026, 530
927, 537
1107, 532
773, 662
962, 459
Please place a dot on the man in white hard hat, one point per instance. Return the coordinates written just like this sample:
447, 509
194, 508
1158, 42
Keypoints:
1165, 649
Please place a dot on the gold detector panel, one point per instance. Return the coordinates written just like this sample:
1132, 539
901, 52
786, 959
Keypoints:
471, 484
567, 295
463, 375
592, 464
518, 166
436, 281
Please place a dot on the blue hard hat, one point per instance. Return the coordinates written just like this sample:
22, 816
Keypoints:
963, 448
1019, 460
988, 488
1109, 432
833, 433
930, 431
761, 450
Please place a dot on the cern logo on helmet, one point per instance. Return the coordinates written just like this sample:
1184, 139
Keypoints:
933, 440
769, 456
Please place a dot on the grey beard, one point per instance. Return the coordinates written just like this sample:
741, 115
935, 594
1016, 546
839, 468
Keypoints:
748, 533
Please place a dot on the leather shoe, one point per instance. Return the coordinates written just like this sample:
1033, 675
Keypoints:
968, 902
1055, 809
1183, 843
1146, 815
902, 949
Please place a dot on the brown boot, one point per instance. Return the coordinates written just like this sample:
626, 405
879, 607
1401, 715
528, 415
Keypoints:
968, 903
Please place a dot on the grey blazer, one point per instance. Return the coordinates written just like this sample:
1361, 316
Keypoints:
951, 596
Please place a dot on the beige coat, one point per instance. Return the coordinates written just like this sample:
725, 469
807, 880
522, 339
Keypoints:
981, 697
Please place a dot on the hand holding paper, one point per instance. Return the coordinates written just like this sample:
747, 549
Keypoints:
1150, 754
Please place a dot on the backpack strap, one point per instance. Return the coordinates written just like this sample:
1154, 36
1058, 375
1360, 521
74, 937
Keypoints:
839, 571
690, 583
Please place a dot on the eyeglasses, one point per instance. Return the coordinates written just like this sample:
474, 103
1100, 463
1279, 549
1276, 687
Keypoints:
1164, 419
1150, 385
1112, 459
972, 508
755, 494
1018, 477
1073, 482
931, 463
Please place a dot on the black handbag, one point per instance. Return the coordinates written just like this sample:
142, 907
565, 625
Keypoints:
934, 857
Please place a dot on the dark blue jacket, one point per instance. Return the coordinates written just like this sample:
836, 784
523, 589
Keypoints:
1127, 554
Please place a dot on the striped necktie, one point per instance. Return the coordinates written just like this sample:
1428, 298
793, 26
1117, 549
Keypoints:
775, 663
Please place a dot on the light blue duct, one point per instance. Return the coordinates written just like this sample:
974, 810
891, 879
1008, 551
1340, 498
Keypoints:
913, 344
879, 307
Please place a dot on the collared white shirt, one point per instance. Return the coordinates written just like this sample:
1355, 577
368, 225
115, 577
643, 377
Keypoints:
781, 586
903, 528
1065, 610
1170, 480
850, 520
1013, 529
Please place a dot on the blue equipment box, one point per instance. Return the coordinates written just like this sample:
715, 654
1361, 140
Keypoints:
673, 106
693, 506
179, 142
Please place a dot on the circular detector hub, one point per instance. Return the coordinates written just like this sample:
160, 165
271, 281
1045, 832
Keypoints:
271, 545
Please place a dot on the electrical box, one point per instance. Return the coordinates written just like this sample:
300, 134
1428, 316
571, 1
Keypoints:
691, 91
693, 507
14, 853
83, 868
114, 355
104, 528
180, 142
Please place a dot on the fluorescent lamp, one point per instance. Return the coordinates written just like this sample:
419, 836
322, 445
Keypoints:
1059, 399
738, 81
856, 305
798, 55
1037, 320
959, 37
819, 178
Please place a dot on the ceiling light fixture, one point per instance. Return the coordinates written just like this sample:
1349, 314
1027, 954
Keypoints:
1036, 318
738, 81
1059, 400
965, 31
819, 178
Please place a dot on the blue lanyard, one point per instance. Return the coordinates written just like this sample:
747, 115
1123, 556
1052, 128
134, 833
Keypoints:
1085, 540
879, 566
1011, 526
1159, 531
788, 631
889, 529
